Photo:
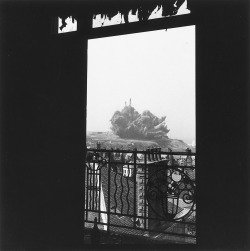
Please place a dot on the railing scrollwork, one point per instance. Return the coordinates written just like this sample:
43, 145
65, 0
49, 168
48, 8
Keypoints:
169, 192
134, 190
95, 161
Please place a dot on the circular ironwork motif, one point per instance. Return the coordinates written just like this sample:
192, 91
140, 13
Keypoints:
170, 193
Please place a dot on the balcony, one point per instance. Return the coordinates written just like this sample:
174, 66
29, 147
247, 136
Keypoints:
146, 195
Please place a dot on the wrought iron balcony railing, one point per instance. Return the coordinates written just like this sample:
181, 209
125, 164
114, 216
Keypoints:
148, 193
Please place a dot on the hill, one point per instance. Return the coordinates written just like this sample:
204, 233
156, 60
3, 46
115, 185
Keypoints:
109, 140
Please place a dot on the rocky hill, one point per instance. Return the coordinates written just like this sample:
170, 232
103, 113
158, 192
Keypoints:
109, 140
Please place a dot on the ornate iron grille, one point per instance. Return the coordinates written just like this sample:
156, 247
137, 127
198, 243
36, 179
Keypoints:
149, 193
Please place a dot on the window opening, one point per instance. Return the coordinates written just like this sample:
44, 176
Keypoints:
140, 163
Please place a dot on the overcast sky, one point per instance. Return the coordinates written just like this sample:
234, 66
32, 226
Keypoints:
155, 69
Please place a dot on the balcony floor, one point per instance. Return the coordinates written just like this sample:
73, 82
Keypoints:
113, 238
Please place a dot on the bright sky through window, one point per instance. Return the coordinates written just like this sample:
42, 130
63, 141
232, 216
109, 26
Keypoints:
155, 69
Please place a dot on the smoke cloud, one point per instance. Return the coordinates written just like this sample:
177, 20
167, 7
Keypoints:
128, 123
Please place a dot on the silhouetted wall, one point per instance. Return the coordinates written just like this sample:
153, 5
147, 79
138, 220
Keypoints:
222, 123
43, 124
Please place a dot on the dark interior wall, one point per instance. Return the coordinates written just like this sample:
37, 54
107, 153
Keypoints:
222, 123
43, 124
43, 131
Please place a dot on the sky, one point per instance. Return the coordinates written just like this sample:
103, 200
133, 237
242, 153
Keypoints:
155, 69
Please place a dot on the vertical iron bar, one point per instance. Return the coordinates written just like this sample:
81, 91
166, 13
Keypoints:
115, 189
99, 204
167, 184
84, 196
109, 156
96, 189
87, 194
144, 194
84, 184
90, 188
135, 186
93, 187
121, 194
128, 192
